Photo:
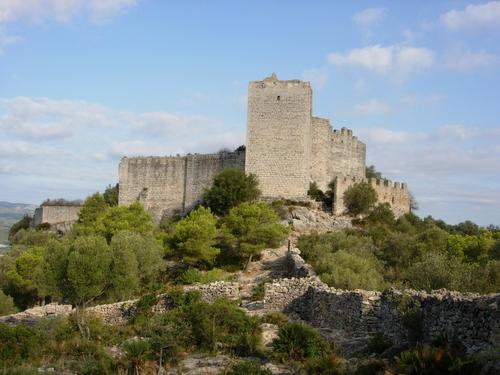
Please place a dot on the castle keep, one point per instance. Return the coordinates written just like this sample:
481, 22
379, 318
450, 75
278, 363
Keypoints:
287, 149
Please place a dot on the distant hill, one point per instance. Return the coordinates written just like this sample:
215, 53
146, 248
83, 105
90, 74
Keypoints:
9, 214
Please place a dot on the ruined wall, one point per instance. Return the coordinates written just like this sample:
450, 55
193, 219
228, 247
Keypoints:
396, 194
168, 184
55, 215
279, 136
356, 315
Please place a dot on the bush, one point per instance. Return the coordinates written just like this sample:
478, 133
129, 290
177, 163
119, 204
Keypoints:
18, 344
349, 271
193, 275
193, 324
194, 237
315, 192
250, 228
424, 360
6, 304
230, 188
359, 198
324, 365
24, 223
246, 368
275, 317
298, 342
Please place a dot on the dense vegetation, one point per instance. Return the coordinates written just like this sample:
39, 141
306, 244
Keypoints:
412, 252
117, 252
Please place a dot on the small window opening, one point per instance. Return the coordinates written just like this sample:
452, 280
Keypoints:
278, 98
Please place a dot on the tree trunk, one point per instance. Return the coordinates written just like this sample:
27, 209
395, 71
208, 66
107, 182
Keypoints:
248, 262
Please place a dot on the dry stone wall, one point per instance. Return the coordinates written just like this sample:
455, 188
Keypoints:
121, 312
169, 184
353, 317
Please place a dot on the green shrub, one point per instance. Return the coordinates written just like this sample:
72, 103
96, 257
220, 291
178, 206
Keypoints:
137, 352
193, 324
23, 223
18, 344
250, 228
246, 368
259, 291
194, 237
230, 188
275, 317
349, 271
298, 342
6, 304
424, 360
359, 198
324, 365
193, 275
315, 192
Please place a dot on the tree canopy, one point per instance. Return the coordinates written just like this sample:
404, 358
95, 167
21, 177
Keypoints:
230, 188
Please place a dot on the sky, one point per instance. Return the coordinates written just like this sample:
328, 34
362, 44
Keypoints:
85, 82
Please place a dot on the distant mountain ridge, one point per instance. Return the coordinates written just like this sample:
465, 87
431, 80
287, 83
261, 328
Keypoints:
9, 214
25, 206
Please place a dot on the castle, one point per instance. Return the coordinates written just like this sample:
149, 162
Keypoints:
287, 149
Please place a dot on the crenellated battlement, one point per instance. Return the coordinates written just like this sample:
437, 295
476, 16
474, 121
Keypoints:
287, 149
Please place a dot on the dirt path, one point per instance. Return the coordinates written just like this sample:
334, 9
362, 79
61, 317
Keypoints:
270, 266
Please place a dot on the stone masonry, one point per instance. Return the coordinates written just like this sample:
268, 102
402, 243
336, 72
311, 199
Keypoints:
60, 217
287, 149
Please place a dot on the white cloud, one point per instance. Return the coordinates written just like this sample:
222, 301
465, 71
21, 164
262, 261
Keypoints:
468, 61
60, 10
369, 18
473, 16
22, 149
447, 167
318, 77
395, 60
428, 100
6, 40
372, 107
141, 148
386, 136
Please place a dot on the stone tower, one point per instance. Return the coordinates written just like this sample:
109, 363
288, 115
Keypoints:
279, 136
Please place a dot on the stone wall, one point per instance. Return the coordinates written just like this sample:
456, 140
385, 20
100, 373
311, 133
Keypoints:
335, 153
169, 184
396, 194
279, 136
56, 215
121, 312
352, 317
348, 154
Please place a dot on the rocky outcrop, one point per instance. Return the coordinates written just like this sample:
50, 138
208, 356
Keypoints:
305, 220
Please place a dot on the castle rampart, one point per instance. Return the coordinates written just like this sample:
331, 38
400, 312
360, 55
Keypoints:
171, 183
396, 194
56, 215
287, 149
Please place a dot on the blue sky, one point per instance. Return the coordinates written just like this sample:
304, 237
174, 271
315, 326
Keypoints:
83, 82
